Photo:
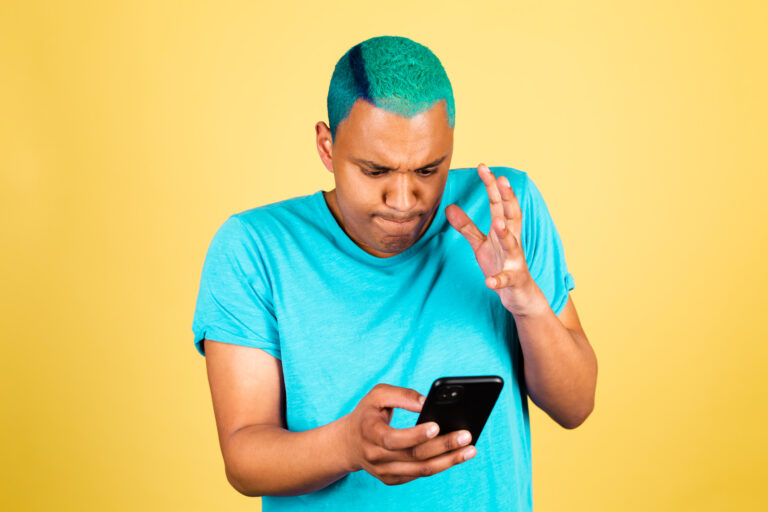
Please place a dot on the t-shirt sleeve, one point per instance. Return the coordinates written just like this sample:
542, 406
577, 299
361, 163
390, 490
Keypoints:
543, 249
234, 302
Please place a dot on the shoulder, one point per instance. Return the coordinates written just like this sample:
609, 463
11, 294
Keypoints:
273, 219
286, 210
251, 231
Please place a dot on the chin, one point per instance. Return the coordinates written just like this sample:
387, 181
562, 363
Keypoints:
395, 246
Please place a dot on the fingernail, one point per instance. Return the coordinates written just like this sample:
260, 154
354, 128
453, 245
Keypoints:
464, 438
432, 431
469, 453
422, 399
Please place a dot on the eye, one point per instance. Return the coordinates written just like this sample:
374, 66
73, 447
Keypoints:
372, 173
421, 172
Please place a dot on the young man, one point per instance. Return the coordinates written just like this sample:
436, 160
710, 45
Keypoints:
325, 318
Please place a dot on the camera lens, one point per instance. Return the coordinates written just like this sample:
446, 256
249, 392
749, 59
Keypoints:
449, 395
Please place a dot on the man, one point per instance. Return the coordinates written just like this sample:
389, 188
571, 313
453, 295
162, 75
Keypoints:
325, 317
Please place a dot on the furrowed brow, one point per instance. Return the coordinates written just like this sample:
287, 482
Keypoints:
379, 167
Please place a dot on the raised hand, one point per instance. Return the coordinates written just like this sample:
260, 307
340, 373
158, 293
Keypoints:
500, 253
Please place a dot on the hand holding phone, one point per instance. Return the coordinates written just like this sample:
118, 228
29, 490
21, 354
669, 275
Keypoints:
397, 455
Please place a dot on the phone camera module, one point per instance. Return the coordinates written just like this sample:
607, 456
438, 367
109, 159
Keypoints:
450, 394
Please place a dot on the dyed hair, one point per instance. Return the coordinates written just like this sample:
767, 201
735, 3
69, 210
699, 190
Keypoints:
393, 73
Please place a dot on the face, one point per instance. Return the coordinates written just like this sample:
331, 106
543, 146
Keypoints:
390, 172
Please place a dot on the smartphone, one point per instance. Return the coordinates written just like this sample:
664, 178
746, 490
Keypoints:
461, 403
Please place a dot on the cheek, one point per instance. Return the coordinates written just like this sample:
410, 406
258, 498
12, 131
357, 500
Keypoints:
360, 198
356, 208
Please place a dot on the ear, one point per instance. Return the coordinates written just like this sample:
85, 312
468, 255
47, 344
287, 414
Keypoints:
324, 144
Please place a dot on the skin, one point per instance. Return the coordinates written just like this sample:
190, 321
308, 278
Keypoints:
261, 456
364, 205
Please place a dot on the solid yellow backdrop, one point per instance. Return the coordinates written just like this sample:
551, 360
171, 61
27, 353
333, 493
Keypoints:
129, 131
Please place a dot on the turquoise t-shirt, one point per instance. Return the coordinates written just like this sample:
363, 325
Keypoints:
285, 278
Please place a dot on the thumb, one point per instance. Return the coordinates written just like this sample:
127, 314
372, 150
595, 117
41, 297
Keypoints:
464, 225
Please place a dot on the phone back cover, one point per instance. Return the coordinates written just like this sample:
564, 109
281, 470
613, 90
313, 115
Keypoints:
470, 411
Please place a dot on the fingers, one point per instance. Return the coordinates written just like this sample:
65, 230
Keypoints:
386, 395
383, 397
414, 443
494, 196
394, 439
511, 276
504, 203
509, 239
508, 227
401, 470
464, 225
442, 444
510, 204
498, 281
395, 455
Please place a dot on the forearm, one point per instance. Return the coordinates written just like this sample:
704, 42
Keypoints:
559, 364
265, 460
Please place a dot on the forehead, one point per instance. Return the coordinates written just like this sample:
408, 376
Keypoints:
372, 132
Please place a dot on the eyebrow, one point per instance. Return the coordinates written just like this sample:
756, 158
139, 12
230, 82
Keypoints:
380, 167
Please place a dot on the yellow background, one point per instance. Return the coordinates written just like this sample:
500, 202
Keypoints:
129, 131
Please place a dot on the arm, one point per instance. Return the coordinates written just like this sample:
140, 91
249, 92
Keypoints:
560, 365
261, 457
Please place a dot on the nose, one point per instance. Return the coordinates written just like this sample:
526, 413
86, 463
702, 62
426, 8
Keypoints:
401, 194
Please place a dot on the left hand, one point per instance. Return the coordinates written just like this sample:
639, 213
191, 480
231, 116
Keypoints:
500, 253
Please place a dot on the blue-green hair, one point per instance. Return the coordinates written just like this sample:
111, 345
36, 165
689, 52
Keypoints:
393, 73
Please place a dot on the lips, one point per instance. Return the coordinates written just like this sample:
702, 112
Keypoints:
401, 221
394, 227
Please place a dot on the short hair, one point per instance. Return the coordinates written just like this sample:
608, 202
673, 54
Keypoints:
393, 73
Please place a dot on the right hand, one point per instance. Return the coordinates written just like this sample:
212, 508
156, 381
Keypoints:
396, 456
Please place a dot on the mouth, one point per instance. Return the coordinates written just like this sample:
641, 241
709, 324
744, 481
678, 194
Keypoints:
398, 227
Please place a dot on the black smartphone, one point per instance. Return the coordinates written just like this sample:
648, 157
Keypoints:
461, 403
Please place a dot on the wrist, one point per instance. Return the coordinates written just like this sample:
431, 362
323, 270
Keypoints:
525, 300
343, 446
